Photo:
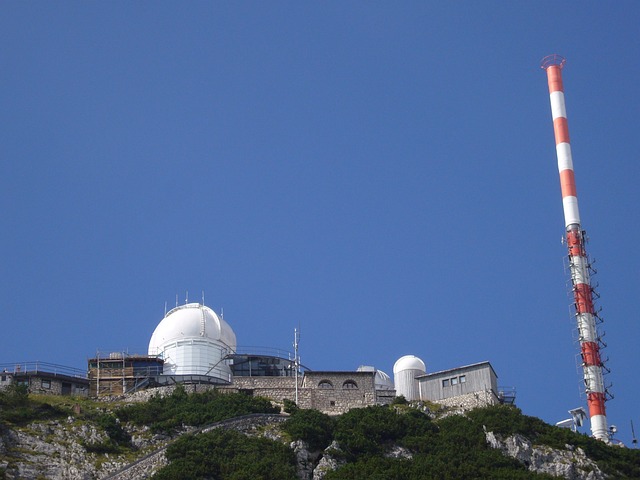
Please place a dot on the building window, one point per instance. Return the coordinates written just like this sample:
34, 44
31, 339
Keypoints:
332, 403
454, 381
463, 379
350, 385
46, 383
325, 384
4, 378
445, 382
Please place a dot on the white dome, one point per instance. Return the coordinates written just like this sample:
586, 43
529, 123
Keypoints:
405, 371
409, 362
193, 340
382, 380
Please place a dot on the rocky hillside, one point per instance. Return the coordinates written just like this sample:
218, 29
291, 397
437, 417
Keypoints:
212, 435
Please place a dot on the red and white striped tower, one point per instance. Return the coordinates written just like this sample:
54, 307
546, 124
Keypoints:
592, 365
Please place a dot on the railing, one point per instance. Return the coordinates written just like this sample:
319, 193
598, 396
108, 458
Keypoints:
266, 351
42, 367
507, 395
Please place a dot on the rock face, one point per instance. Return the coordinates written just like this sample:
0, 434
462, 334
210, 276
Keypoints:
54, 450
304, 459
571, 463
329, 461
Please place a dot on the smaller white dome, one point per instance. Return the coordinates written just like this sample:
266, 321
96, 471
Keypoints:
409, 362
382, 380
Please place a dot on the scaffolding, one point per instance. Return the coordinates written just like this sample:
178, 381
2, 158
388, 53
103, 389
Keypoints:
118, 373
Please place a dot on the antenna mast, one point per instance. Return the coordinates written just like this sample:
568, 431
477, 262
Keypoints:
580, 266
296, 358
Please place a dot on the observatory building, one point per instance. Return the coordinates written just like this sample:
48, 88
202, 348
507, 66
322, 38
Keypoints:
194, 345
193, 340
405, 373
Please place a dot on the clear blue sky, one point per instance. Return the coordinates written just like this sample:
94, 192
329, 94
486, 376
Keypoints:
383, 176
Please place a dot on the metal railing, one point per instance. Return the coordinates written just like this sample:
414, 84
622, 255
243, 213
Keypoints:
42, 367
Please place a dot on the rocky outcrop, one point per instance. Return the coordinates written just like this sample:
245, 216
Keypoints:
305, 460
55, 450
145, 467
331, 460
571, 463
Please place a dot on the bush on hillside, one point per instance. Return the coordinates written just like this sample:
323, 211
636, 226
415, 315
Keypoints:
18, 409
509, 420
227, 455
371, 430
312, 426
165, 414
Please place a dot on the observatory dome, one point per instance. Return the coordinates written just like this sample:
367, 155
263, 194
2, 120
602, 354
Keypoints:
193, 340
405, 371
382, 380
409, 362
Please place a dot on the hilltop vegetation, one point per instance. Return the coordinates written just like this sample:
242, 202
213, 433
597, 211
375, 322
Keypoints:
166, 414
383, 442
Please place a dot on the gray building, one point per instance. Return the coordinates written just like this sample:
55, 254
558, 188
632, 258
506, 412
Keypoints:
469, 386
45, 378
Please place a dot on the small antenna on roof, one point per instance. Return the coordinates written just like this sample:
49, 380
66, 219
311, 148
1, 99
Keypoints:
296, 357
203, 298
165, 308
186, 298
222, 313
176, 300
633, 435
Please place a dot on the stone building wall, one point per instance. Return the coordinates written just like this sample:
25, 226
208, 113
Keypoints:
43, 383
470, 401
45, 386
337, 392
341, 397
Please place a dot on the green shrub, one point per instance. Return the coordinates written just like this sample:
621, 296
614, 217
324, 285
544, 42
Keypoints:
227, 455
370, 430
400, 400
312, 426
18, 409
165, 414
290, 406
508, 420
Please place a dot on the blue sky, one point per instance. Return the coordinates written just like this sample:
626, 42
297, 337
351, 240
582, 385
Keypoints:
383, 176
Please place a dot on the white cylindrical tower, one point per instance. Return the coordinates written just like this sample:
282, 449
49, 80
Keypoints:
405, 371
193, 340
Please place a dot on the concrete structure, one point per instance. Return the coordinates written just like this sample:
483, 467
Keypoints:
45, 378
192, 339
469, 386
579, 263
405, 373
